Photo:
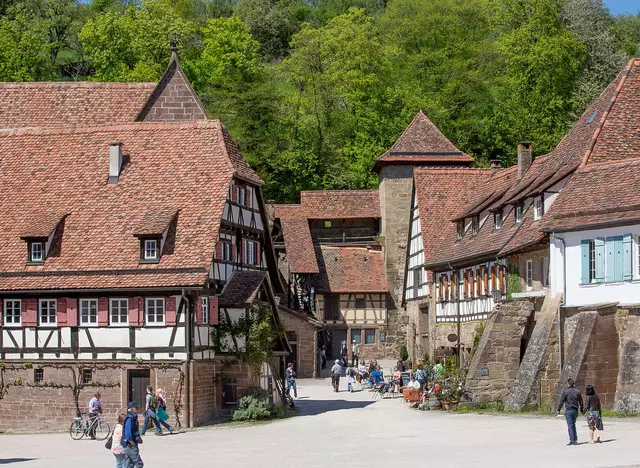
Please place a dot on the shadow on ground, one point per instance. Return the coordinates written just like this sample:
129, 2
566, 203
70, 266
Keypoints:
313, 407
6, 461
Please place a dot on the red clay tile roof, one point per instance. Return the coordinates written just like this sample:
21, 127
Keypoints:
39, 223
350, 269
420, 143
591, 199
239, 162
620, 134
242, 289
58, 104
181, 165
526, 235
487, 194
155, 220
297, 239
338, 204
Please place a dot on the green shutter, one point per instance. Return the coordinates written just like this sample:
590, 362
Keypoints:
585, 261
617, 242
610, 261
627, 259
600, 256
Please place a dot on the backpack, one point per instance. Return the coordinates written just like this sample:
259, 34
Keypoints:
153, 402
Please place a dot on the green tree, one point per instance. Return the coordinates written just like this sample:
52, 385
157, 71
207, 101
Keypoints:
134, 44
626, 28
24, 46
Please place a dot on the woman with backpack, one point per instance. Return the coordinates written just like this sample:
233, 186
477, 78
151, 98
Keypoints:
161, 411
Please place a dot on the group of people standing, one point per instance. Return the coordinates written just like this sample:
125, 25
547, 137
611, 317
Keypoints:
127, 436
572, 401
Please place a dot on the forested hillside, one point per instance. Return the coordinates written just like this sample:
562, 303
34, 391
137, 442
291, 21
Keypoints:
315, 90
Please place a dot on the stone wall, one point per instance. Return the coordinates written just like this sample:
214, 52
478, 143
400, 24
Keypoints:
537, 257
230, 373
499, 352
305, 361
203, 393
628, 390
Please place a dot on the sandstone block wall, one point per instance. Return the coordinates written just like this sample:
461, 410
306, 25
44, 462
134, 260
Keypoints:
307, 354
204, 394
628, 390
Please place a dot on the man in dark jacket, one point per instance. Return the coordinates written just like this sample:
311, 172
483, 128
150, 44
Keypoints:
131, 437
572, 401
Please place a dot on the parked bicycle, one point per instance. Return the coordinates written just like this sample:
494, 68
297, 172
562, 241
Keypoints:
84, 426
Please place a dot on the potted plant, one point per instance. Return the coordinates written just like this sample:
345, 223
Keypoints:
451, 383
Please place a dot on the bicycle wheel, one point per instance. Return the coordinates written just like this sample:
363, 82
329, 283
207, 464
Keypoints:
76, 431
102, 429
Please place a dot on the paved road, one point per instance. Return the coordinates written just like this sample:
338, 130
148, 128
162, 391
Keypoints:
352, 430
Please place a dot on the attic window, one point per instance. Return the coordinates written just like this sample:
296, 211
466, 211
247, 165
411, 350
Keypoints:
518, 213
460, 227
592, 117
36, 252
497, 220
475, 225
150, 250
538, 208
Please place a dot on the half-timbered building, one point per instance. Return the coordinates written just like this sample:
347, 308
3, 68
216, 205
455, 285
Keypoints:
128, 219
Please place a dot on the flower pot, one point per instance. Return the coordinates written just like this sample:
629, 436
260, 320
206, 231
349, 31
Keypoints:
447, 405
434, 403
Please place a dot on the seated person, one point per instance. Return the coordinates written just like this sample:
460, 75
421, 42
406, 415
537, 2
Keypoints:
363, 369
413, 383
396, 378
376, 377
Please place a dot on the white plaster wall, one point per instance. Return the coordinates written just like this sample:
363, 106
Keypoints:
625, 292
151, 337
104, 337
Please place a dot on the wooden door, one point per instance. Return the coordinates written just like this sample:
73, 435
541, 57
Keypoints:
139, 379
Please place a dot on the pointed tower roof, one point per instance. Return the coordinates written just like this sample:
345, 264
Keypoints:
423, 144
173, 98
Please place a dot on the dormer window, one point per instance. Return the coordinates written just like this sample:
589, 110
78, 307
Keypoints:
242, 196
150, 250
518, 213
538, 208
475, 225
36, 252
460, 227
497, 220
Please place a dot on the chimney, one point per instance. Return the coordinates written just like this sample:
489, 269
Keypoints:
115, 161
524, 158
496, 165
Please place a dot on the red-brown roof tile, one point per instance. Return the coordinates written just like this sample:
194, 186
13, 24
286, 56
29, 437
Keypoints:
57, 104
597, 195
40, 223
155, 220
242, 289
422, 143
181, 165
298, 243
350, 269
338, 204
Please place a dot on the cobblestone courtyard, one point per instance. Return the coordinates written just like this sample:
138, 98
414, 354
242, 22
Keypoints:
352, 430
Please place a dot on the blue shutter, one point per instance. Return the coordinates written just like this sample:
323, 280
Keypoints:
585, 261
627, 259
609, 261
599, 244
617, 242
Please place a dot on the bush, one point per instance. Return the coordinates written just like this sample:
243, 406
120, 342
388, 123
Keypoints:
404, 354
253, 406
477, 335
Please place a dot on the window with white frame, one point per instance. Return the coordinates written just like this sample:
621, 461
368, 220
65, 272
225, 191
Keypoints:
36, 252
88, 312
538, 208
48, 309
119, 311
529, 273
475, 225
227, 251
12, 312
154, 311
205, 309
242, 196
497, 220
518, 213
150, 250
460, 229
251, 254
545, 272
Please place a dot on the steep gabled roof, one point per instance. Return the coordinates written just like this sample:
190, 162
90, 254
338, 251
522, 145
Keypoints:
340, 204
422, 143
242, 289
177, 166
597, 195
298, 243
59, 104
350, 270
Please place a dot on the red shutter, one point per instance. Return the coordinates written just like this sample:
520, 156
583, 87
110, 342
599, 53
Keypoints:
134, 305
213, 310
72, 312
234, 252
258, 253
234, 193
1, 312
199, 311
170, 318
141, 310
30, 313
62, 312
244, 251
103, 312
249, 197
219, 250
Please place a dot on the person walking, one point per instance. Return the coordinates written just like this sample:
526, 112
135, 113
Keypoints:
336, 370
161, 411
420, 376
150, 406
95, 410
131, 437
116, 443
572, 401
323, 357
290, 374
344, 354
594, 414
355, 352
351, 378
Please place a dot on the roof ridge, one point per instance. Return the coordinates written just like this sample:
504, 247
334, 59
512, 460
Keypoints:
338, 191
617, 163
144, 125
453, 169
603, 119
79, 84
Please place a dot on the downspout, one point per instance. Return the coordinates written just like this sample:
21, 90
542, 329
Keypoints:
187, 382
563, 303
458, 325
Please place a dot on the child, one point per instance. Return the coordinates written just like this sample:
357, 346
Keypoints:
116, 445
351, 379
